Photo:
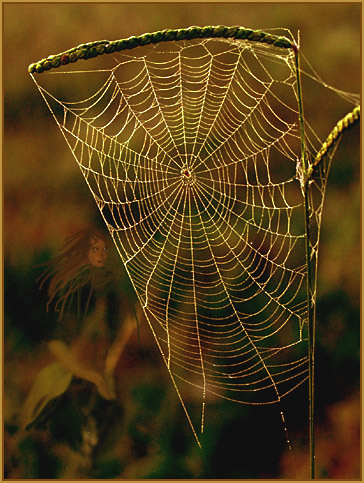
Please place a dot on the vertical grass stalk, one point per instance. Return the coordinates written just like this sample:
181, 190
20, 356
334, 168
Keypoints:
310, 301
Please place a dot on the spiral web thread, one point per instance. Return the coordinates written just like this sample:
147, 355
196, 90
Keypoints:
191, 150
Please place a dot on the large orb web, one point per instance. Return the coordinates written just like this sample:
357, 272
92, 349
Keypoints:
190, 151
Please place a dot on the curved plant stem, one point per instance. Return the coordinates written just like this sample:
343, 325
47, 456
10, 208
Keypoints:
101, 47
351, 119
348, 121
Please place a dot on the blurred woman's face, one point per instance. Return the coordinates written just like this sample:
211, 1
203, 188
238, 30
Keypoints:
97, 253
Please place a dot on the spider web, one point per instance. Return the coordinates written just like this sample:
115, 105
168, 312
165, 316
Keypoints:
190, 150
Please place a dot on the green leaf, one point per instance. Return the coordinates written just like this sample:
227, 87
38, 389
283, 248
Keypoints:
52, 381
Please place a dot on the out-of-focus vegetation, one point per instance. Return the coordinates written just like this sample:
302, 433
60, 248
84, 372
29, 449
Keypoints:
144, 432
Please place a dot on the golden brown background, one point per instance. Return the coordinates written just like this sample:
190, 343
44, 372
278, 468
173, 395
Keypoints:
45, 200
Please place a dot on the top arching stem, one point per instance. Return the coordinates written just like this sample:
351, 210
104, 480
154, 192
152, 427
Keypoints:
94, 49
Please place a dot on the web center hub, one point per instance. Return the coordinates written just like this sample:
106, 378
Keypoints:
187, 175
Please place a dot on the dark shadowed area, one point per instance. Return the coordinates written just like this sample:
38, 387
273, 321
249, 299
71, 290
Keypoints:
142, 432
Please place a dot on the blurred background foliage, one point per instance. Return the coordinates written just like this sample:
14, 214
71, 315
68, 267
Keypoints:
144, 432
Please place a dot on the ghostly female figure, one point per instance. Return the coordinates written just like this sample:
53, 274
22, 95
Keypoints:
79, 288
88, 347
78, 271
